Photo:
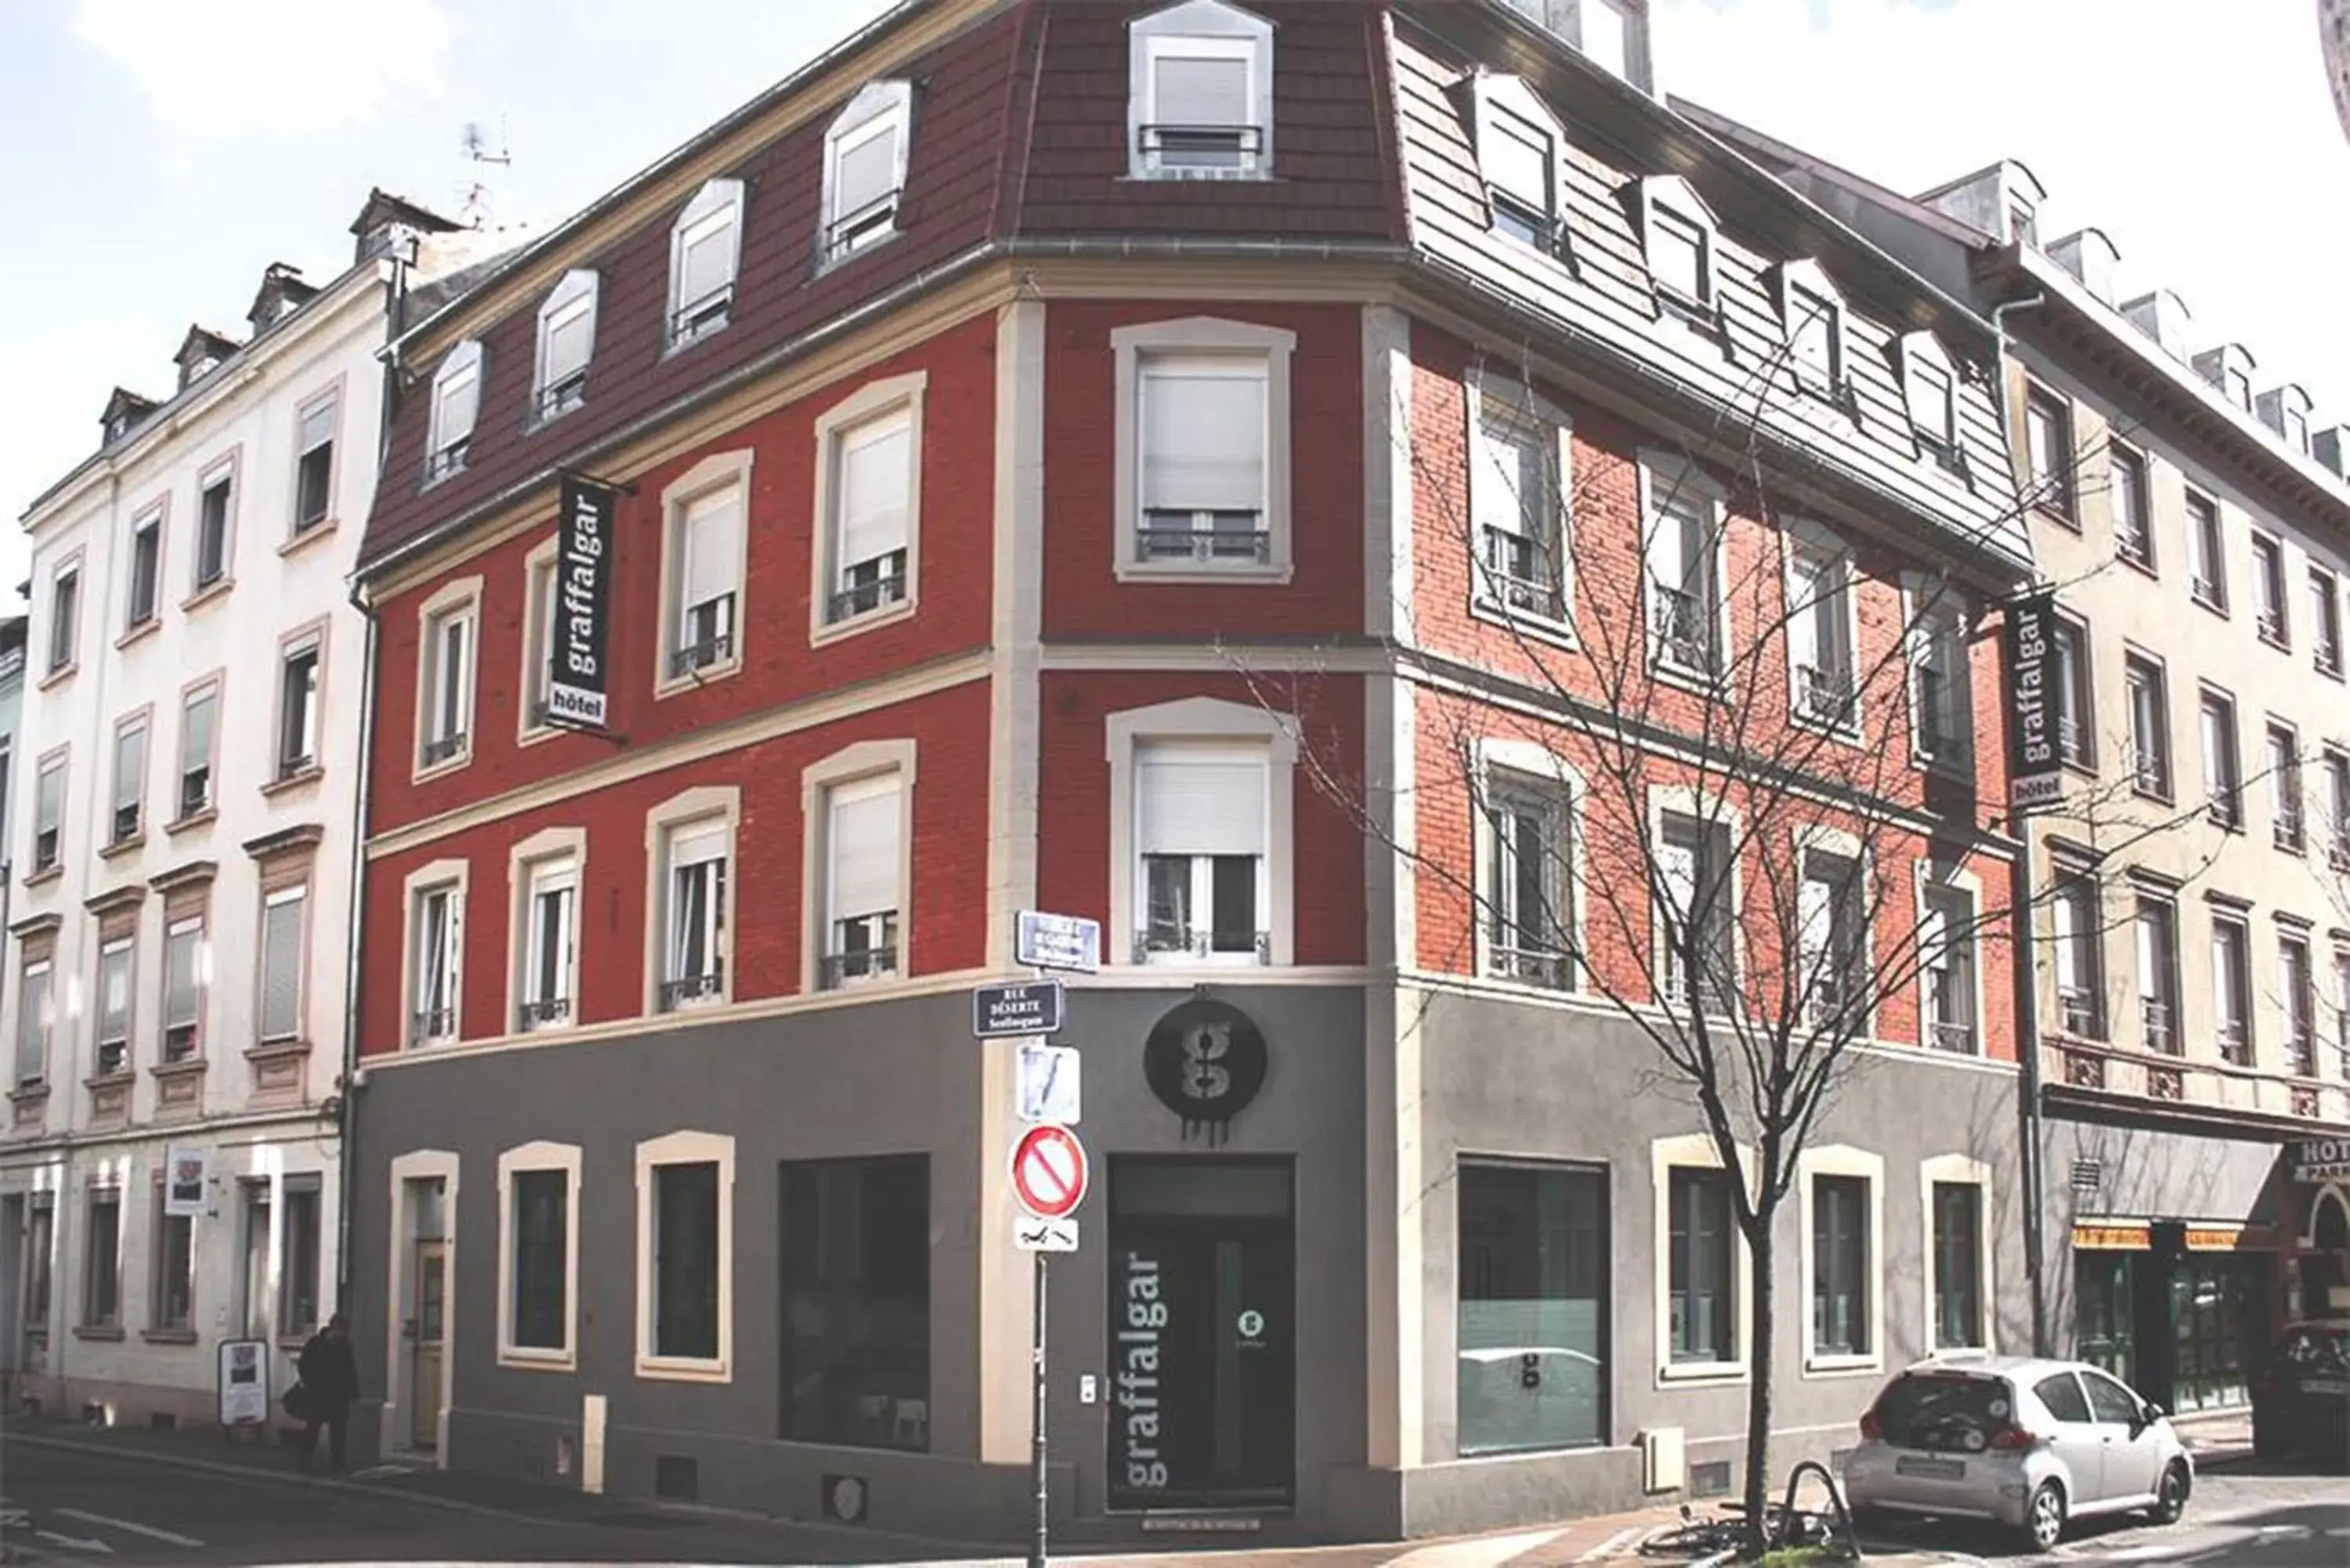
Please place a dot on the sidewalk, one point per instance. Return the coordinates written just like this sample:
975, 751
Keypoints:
2220, 1439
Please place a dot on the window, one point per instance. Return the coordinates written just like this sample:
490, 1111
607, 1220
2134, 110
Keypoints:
101, 1287
283, 916
2075, 710
198, 712
2048, 452
1518, 499
1941, 706
1203, 884
1200, 93
540, 607
1680, 260
2268, 590
2238, 385
2297, 990
129, 783
435, 955
1958, 1295
1534, 1307
1203, 434
1694, 916
538, 1186
1840, 1266
2338, 809
2133, 530
2208, 548
298, 1279
2158, 975
1820, 637
64, 617
1815, 323
1946, 948
872, 476
49, 813
1684, 599
40, 1258
856, 1286
2224, 773
114, 968
865, 168
297, 707
1930, 391
566, 341
2325, 621
314, 466
1703, 1292
34, 1018
447, 681
1528, 883
214, 510
685, 1252
2341, 1008
2149, 723
172, 1304
146, 571
184, 964
2062, 1394
693, 968
864, 855
2231, 988
704, 249
456, 398
550, 938
705, 570
2075, 933
1832, 943
2286, 830
1517, 150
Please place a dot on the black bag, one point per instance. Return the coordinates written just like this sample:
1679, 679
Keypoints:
297, 1401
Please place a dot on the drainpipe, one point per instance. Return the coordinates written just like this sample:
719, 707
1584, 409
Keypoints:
2027, 988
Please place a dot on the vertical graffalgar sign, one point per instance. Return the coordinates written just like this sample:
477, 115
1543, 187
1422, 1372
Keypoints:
577, 693
2035, 765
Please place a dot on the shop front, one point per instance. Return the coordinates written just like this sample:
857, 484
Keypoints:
2181, 1313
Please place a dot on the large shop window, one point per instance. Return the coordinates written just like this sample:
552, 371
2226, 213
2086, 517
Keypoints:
1533, 1308
1703, 1246
1201, 826
856, 1281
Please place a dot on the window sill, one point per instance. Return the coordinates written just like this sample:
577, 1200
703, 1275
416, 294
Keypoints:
1841, 1365
189, 1066
451, 764
863, 621
2281, 644
296, 543
866, 247
217, 589
140, 633
2144, 566
671, 344
2060, 515
675, 1370
1698, 682
1142, 176
122, 846
286, 783
100, 1332
2159, 797
521, 1360
535, 734
192, 820
1702, 1371
2330, 671
1849, 734
42, 878
1956, 767
672, 685
1275, 574
1542, 627
59, 676
2217, 607
168, 1335
277, 1050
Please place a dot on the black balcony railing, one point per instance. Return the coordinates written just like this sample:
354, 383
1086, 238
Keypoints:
2076, 1011
448, 460
563, 396
195, 791
2155, 1026
700, 655
125, 826
872, 584
700, 316
867, 223
1160, 942
1208, 149
444, 747
1228, 537
543, 1011
45, 849
1952, 1034
428, 1023
685, 991
1520, 573
1544, 967
179, 1042
863, 965
1684, 630
1824, 695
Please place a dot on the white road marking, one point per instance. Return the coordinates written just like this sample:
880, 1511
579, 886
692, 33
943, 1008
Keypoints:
170, 1536
73, 1544
1613, 1545
1478, 1552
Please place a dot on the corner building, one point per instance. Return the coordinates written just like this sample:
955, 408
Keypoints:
1040, 436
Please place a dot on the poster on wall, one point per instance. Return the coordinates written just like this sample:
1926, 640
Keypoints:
243, 1377
187, 1174
2035, 766
577, 687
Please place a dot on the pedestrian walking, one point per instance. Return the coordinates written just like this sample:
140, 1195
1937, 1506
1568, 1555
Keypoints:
329, 1370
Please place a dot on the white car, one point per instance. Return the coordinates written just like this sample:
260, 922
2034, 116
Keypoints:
2027, 1443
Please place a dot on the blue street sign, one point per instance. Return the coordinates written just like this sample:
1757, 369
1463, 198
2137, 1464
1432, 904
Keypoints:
1057, 941
1020, 1008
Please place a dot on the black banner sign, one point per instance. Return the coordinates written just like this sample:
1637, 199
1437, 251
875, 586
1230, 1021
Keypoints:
576, 691
1205, 1060
2035, 766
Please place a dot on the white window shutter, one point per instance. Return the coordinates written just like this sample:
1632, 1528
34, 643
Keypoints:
1509, 484
196, 732
32, 1010
1805, 582
2149, 961
281, 974
876, 462
697, 842
712, 533
1191, 90
1196, 802
317, 426
1203, 435
706, 257
569, 335
1518, 160
864, 844
459, 398
180, 977
867, 167
1670, 538
2065, 926
130, 767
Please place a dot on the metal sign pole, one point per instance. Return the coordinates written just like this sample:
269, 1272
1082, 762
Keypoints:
1036, 1546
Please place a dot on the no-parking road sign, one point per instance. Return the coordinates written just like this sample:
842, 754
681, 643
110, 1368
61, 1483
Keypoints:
1048, 1171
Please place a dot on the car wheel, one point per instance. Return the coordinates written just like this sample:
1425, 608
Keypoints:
2170, 1496
2043, 1518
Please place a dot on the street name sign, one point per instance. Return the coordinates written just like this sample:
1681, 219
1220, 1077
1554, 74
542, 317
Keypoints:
1018, 1008
1057, 941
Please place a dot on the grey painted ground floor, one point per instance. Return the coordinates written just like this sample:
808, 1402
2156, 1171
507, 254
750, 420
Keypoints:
1355, 1263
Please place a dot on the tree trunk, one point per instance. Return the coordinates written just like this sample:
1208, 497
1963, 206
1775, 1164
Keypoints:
1759, 1361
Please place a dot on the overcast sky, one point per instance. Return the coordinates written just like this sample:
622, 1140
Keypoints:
160, 152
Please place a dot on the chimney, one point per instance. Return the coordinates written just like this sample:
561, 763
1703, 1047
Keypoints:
2228, 368
2163, 317
2331, 447
2088, 256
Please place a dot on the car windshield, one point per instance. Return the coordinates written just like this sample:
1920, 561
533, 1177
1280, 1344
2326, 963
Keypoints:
2317, 1347
1952, 1410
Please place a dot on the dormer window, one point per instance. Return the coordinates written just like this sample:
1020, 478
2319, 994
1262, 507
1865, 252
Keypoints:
1612, 34
1200, 93
1678, 232
706, 247
1813, 314
456, 398
2297, 431
566, 340
1929, 386
1518, 145
865, 168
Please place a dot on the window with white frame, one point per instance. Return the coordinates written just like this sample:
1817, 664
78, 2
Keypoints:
1518, 151
567, 342
34, 1016
1203, 887
706, 574
115, 964
1518, 488
65, 616
864, 851
1684, 592
871, 494
436, 939
538, 1252
1200, 93
1929, 390
1680, 242
1528, 883
2207, 552
2268, 591
49, 813
199, 723
314, 467
2224, 772
685, 1256
2157, 973
456, 400
1820, 624
1203, 434
144, 598
2232, 986
2286, 827
550, 926
693, 949
2325, 621
2297, 992
1695, 921
298, 706
1940, 701
446, 733
2341, 1007
1814, 318
2338, 809
705, 246
1946, 952
185, 960
1701, 1232
1955, 1223
129, 783
215, 512
540, 609
2048, 452
864, 153
1842, 1265
1831, 941
2143, 681
2126, 495
2077, 936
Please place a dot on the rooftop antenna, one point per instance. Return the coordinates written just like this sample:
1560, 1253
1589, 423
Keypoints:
474, 212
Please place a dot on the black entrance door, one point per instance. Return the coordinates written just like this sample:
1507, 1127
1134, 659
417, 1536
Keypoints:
1201, 1339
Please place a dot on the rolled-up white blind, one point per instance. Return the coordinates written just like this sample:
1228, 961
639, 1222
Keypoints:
180, 975
864, 842
1196, 801
1189, 90
1203, 435
876, 461
32, 1024
196, 732
129, 765
713, 529
281, 968
706, 256
1510, 475
867, 170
